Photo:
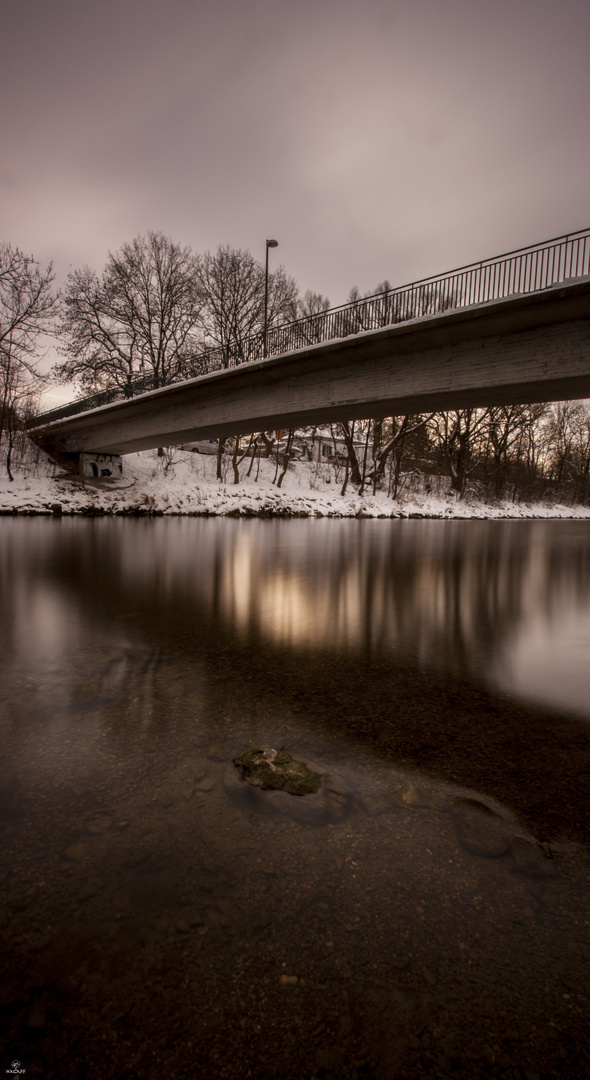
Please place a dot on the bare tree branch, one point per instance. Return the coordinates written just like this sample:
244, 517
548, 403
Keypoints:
142, 316
27, 304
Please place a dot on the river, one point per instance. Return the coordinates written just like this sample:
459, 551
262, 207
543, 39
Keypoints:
425, 914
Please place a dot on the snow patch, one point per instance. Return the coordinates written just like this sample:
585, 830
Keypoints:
185, 483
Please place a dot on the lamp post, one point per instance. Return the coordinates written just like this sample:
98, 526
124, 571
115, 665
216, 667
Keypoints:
269, 244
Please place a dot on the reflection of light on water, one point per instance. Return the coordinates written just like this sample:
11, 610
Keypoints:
549, 661
289, 614
507, 605
493, 600
500, 601
237, 589
47, 624
286, 614
287, 606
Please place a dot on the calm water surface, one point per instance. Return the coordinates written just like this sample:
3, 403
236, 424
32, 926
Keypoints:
425, 914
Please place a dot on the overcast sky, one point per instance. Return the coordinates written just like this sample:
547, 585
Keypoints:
374, 139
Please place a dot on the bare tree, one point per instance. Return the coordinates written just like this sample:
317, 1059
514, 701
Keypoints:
508, 433
239, 454
286, 457
231, 283
309, 305
353, 468
389, 437
457, 433
386, 305
383, 437
27, 304
567, 433
309, 313
141, 317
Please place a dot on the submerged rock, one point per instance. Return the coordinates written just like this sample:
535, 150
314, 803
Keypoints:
255, 787
275, 770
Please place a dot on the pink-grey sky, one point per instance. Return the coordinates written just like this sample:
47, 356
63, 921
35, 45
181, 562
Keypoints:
374, 139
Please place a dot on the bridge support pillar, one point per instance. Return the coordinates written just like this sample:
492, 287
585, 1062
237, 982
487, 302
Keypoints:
101, 465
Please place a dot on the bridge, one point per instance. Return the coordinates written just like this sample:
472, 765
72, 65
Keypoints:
509, 330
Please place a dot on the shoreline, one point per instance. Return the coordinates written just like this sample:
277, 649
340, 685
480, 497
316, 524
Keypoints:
183, 484
138, 511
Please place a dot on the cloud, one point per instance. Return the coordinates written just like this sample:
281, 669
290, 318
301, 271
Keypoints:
375, 140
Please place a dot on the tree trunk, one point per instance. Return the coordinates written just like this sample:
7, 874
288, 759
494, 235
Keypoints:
286, 456
237, 461
9, 456
348, 436
397, 468
346, 474
362, 487
256, 454
268, 443
234, 460
220, 449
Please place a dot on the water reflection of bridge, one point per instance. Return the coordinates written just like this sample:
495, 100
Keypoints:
509, 330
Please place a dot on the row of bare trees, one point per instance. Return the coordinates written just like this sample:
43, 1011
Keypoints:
516, 452
154, 314
532, 451
159, 310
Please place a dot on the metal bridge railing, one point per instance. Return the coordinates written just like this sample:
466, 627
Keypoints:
524, 270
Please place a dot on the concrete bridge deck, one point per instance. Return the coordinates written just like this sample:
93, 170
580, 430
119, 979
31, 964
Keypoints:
526, 348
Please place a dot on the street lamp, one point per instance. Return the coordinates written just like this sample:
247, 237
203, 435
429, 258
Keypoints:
269, 244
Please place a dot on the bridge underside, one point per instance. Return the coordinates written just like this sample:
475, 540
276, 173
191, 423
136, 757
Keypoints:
525, 349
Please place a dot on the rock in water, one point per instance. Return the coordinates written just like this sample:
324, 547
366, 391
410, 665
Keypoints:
275, 770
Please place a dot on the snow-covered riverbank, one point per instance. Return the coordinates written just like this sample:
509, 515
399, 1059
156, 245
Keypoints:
184, 483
